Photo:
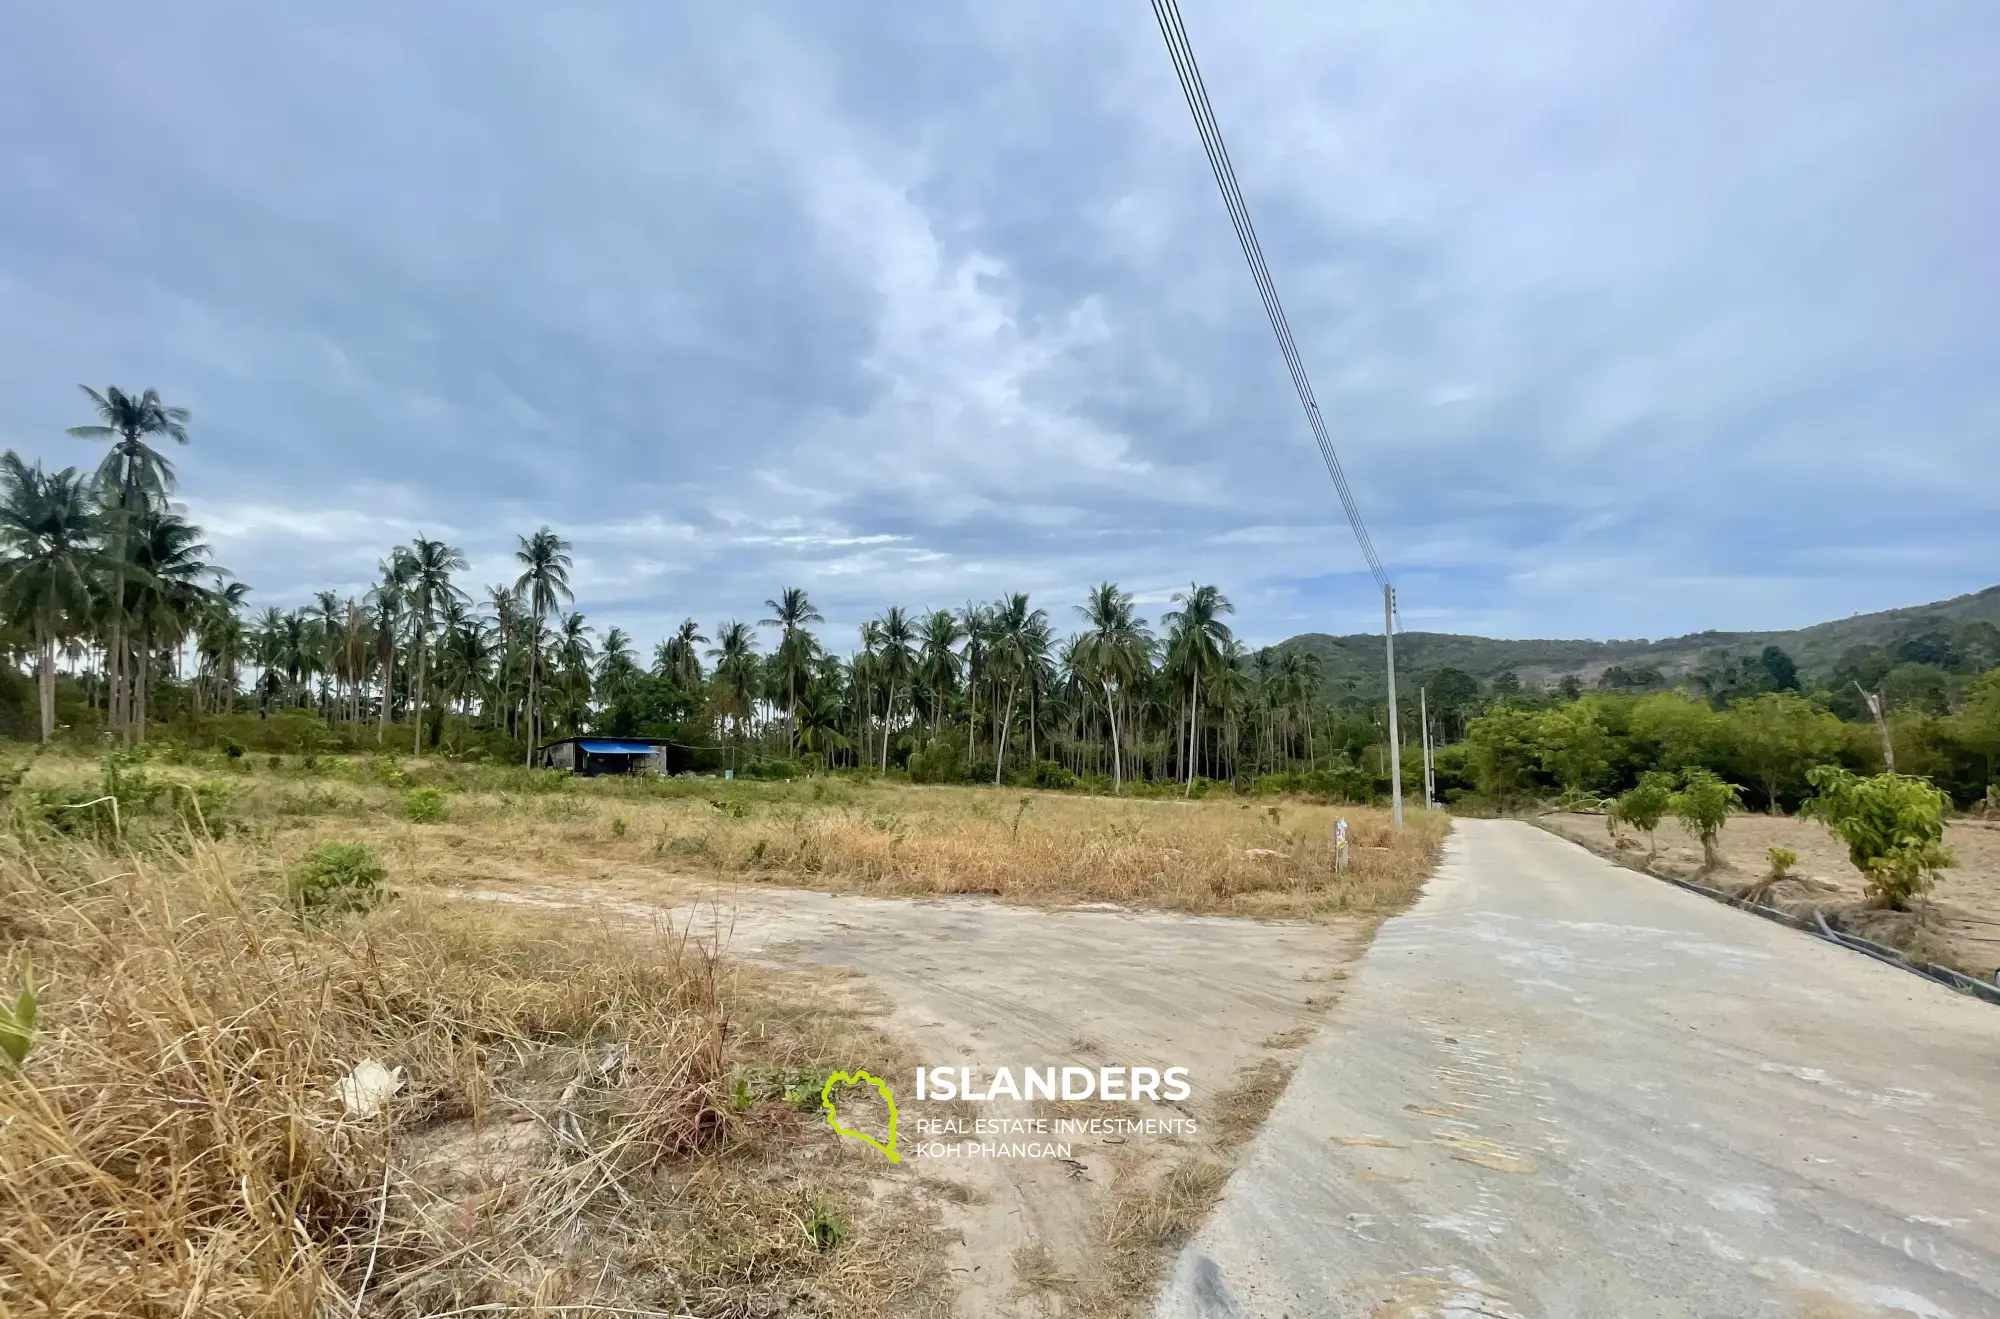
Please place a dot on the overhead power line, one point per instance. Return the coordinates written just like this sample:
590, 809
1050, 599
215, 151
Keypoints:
1169, 15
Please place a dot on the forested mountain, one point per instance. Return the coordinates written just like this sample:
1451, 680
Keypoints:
1961, 632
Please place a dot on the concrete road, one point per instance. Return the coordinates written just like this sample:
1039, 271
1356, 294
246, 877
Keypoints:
1559, 1088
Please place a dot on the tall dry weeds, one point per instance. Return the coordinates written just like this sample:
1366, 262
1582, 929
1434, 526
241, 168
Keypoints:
174, 1144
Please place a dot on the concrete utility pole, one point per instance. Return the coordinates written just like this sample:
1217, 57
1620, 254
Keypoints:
1424, 718
1395, 734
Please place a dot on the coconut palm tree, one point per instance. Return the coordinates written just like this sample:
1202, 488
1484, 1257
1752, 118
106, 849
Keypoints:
503, 603
896, 661
49, 534
938, 661
168, 569
389, 602
132, 477
790, 613
221, 643
617, 666
544, 581
819, 719
428, 565
1018, 637
1112, 654
735, 656
572, 650
1196, 635
678, 659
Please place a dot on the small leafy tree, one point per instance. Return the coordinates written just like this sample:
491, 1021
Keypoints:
1703, 803
1782, 860
1644, 805
1893, 825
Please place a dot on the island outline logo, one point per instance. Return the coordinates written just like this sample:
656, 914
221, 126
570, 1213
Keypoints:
833, 1115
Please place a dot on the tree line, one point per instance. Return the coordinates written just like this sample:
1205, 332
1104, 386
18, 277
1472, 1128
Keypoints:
1926, 706
108, 586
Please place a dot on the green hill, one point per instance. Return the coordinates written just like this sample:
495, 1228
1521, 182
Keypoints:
1352, 665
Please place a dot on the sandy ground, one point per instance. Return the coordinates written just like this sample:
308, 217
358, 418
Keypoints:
978, 983
1963, 913
1558, 1088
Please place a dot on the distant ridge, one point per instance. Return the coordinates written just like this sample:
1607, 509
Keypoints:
1352, 665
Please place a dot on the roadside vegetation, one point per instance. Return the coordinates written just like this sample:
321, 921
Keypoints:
260, 1076
271, 1061
441, 823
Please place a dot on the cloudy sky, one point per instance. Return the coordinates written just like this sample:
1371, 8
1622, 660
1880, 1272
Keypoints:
1629, 319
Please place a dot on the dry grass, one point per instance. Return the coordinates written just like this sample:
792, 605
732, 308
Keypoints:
572, 1131
568, 1131
1223, 854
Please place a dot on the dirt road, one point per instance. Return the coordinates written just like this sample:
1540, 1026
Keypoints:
978, 983
1557, 1088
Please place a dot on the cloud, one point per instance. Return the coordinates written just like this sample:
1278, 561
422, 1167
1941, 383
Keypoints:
1628, 320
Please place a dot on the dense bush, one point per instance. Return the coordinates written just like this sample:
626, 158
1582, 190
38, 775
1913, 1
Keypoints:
1765, 742
772, 770
1045, 774
1893, 825
339, 877
942, 760
424, 806
1345, 783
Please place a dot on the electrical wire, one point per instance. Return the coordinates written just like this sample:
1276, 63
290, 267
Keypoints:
1182, 53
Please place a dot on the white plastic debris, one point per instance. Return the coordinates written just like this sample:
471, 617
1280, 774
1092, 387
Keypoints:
367, 1088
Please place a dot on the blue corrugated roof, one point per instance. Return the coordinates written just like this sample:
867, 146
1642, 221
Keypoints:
597, 748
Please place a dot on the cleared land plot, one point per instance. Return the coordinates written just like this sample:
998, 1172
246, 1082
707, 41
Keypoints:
522, 1159
982, 984
1958, 925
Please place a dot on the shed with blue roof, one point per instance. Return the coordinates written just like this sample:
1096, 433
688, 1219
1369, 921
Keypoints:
592, 756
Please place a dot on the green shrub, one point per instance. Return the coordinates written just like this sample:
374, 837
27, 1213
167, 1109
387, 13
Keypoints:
943, 761
204, 807
1044, 774
545, 780
1782, 860
424, 805
124, 777
17, 1021
83, 813
1893, 825
1345, 783
339, 877
1703, 803
825, 1225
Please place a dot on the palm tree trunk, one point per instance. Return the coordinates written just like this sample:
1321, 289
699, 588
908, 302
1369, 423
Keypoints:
46, 680
1006, 721
887, 716
1117, 765
1194, 715
141, 680
417, 703
534, 653
388, 693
